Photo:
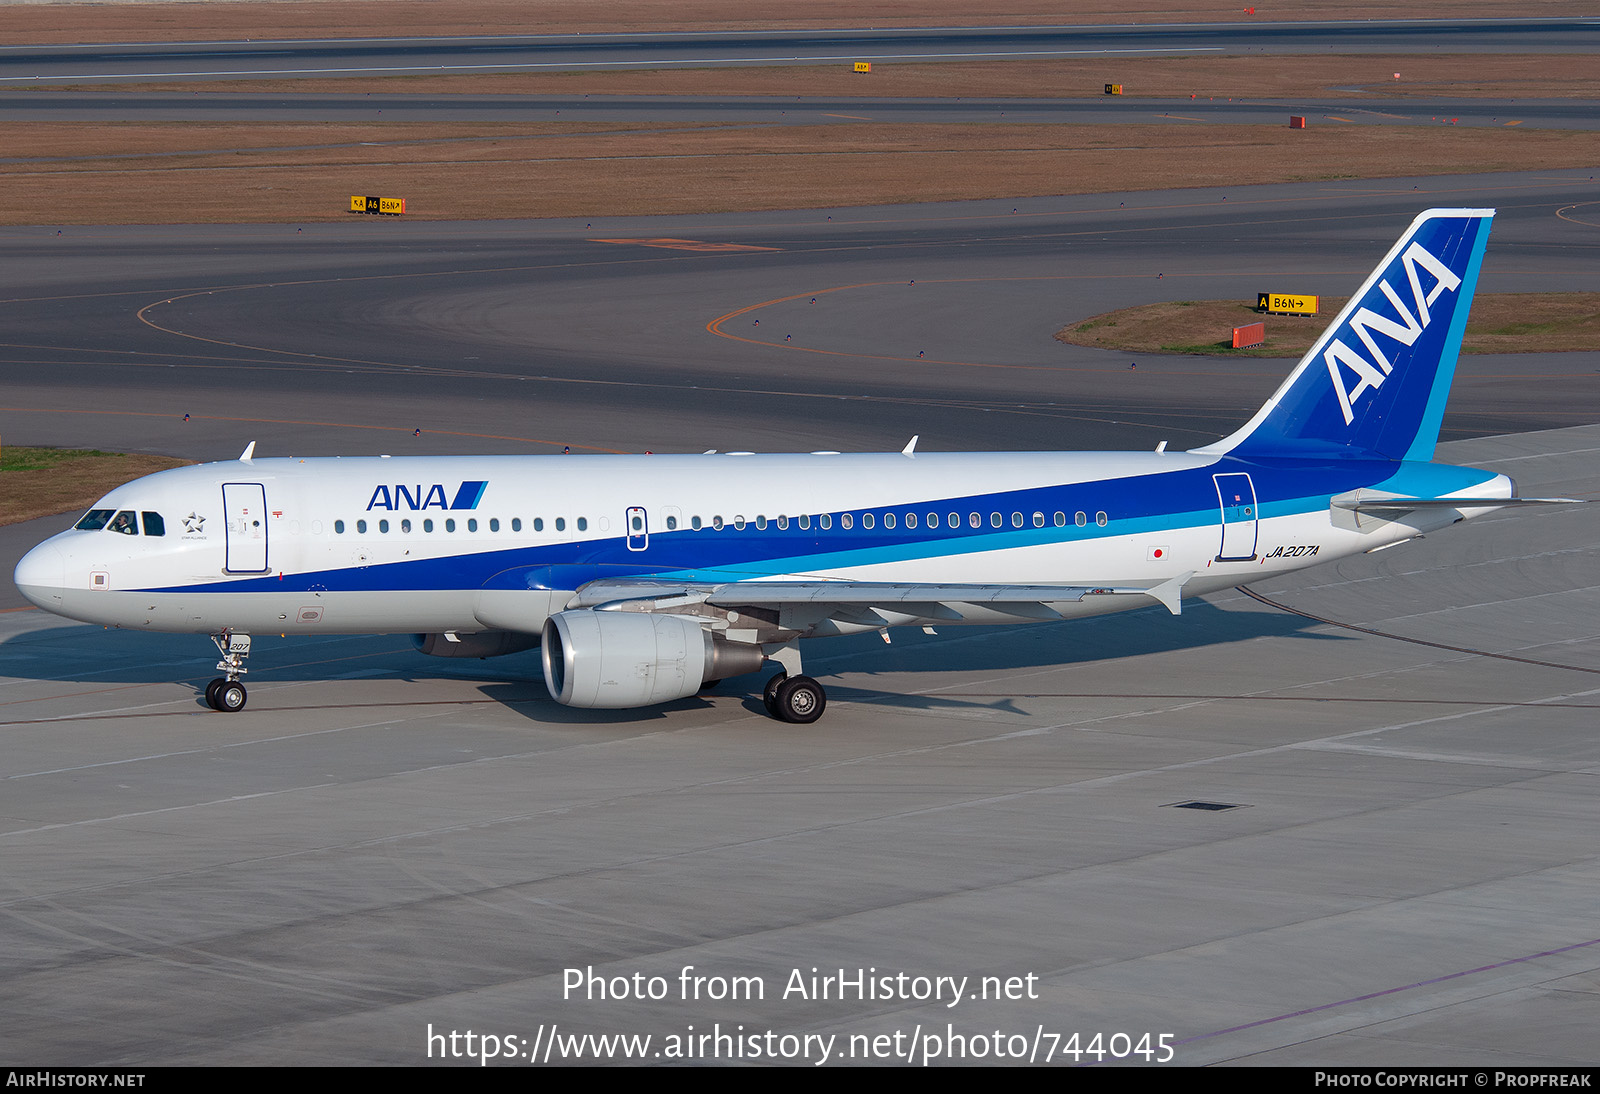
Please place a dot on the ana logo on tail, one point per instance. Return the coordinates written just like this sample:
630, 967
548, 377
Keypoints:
1366, 322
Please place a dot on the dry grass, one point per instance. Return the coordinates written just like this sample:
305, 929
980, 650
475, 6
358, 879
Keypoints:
1499, 323
38, 482
474, 172
147, 22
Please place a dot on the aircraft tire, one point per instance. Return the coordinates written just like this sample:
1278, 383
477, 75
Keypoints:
231, 697
801, 700
769, 694
211, 692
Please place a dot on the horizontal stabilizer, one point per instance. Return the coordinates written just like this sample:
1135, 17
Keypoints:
1394, 505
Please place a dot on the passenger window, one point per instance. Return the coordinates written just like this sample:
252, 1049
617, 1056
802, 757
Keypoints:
361, 526
738, 522
1100, 519
994, 519
1061, 520
846, 520
672, 523
1081, 519
761, 523
583, 524
695, 523
516, 524
911, 520
866, 520
450, 524
716, 522
405, 526
427, 525
1038, 520
124, 523
338, 527
383, 526
561, 524
805, 520
94, 520
1016, 520
783, 523
472, 524
494, 524
888, 520
153, 524
826, 520
975, 520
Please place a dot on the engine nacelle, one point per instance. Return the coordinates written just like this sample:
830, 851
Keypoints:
480, 644
617, 659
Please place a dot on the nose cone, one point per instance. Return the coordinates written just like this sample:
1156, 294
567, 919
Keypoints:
42, 575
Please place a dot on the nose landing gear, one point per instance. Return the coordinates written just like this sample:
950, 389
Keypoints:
226, 693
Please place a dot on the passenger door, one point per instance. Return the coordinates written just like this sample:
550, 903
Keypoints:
245, 506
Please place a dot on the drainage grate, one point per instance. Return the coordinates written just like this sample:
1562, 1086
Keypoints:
1214, 807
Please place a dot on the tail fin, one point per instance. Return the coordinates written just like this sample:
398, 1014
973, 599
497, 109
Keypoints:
1375, 383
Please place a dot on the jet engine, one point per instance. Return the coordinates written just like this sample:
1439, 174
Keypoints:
633, 659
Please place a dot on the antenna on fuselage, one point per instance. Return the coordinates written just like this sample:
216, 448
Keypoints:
249, 453
911, 446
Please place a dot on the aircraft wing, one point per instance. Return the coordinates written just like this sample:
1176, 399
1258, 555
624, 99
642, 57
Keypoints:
869, 603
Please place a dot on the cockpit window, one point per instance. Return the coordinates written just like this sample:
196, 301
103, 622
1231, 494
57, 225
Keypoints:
94, 520
125, 523
153, 524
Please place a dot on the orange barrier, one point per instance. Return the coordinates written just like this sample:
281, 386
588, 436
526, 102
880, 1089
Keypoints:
1251, 334
1297, 121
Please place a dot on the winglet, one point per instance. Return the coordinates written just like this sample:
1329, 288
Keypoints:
249, 453
1170, 592
911, 446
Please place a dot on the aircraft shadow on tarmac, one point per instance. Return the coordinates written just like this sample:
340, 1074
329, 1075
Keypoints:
516, 681
1068, 644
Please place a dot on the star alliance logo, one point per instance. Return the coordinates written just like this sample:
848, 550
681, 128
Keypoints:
192, 523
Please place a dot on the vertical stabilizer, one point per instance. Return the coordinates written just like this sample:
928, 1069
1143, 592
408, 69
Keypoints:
1376, 382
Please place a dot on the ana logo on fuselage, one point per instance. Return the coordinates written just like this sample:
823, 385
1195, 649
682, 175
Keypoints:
419, 497
1366, 322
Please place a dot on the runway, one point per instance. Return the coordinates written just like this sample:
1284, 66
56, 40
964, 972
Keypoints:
1394, 863
390, 55
109, 106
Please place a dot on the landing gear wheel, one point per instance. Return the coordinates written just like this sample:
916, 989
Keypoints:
769, 694
800, 700
231, 696
211, 692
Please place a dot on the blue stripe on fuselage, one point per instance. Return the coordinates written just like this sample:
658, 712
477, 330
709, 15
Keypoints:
1139, 504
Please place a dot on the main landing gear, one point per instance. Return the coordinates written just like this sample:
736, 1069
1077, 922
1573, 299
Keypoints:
797, 699
226, 693
791, 696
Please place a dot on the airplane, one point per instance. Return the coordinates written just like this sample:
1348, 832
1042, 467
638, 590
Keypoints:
644, 578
